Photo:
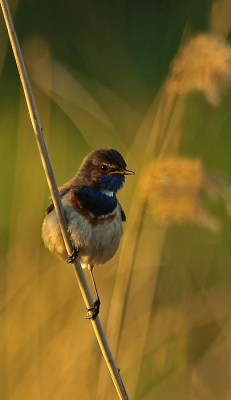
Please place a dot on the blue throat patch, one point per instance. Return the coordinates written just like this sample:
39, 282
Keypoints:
97, 202
111, 183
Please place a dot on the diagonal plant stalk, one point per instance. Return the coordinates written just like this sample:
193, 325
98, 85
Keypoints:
97, 326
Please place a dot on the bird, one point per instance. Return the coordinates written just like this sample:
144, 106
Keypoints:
93, 213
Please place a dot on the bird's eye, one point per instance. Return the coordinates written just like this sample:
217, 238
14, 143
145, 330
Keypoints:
104, 168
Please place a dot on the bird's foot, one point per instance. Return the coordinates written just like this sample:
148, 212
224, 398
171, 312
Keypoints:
93, 311
71, 257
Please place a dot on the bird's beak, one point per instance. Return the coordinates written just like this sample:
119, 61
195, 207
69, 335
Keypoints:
127, 172
122, 172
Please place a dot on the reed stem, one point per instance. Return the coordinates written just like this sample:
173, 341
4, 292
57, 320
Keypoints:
97, 326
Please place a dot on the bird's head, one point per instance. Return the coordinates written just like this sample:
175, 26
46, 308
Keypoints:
104, 169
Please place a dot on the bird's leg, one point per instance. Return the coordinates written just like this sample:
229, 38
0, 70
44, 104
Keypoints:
96, 306
71, 257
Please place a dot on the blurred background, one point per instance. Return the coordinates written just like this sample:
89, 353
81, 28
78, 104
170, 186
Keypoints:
151, 79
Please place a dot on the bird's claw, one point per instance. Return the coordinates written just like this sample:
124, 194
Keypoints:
71, 257
93, 311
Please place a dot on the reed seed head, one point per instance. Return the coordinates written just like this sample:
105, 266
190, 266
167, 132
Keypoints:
173, 190
203, 64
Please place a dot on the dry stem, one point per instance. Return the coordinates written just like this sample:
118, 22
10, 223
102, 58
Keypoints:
99, 332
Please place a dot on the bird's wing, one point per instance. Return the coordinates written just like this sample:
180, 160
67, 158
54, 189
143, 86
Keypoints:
62, 193
123, 216
51, 205
49, 208
64, 189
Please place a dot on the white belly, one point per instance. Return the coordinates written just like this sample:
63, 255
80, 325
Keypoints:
96, 244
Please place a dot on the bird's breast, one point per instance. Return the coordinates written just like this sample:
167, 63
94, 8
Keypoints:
96, 237
86, 213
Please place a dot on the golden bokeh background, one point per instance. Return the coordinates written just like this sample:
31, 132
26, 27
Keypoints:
151, 79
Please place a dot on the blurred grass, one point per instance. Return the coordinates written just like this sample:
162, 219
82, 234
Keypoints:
99, 79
